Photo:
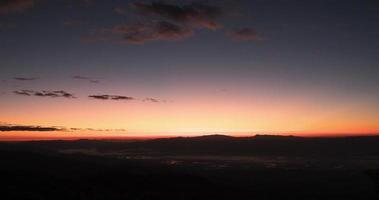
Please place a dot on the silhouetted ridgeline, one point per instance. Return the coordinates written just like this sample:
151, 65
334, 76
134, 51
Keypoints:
225, 145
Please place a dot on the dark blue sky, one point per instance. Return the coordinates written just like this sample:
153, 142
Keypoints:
321, 49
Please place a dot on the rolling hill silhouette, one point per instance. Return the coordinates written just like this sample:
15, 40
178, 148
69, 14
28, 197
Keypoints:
259, 145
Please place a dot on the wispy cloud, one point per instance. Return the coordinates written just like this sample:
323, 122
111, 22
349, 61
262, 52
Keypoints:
24, 92
244, 34
85, 78
111, 97
195, 14
25, 78
145, 32
152, 100
98, 130
45, 93
11, 6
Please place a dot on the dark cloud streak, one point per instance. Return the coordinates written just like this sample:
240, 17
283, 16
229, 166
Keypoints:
25, 78
111, 97
91, 80
127, 98
5, 128
45, 93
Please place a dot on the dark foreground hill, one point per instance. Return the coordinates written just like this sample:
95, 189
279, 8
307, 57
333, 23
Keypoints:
259, 145
38, 176
39, 170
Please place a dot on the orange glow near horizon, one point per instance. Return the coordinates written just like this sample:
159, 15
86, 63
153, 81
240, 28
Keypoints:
206, 115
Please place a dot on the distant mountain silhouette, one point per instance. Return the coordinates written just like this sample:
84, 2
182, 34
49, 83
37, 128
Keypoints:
259, 145
212, 137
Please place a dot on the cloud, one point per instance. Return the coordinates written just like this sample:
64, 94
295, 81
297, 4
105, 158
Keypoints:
45, 93
28, 128
25, 78
111, 97
98, 130
152, 100
244, 34
126, 98
196, 14
170, 23
91, 80
11, 6
24, 92
4, 127
145, 32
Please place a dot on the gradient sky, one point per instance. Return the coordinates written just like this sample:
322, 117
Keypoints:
101, 68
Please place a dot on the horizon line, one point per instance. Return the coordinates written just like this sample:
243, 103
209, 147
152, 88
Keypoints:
126, 138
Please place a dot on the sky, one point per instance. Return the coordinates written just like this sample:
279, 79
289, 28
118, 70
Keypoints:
118, 69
